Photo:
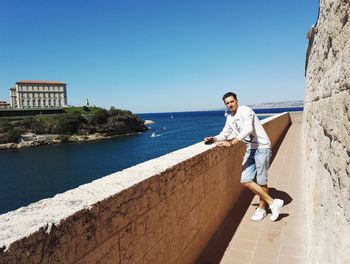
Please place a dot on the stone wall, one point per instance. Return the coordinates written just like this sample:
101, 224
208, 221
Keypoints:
327, 134
162, 211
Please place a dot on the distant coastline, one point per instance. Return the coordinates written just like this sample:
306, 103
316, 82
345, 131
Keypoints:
42, 140
286, 104
276, 105
269, 105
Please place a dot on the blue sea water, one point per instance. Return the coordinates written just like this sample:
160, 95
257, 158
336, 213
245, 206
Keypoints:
32, 174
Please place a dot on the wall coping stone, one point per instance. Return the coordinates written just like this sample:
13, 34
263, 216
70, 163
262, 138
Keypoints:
24, 221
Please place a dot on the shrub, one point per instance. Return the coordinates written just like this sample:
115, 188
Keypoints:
43, 124
86, 109
5, 126
12, 135
100, 116
69, 123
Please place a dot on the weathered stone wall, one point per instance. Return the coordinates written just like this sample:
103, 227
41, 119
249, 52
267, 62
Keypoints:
327, 134
162, 211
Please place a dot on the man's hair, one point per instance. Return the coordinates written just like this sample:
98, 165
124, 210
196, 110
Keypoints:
228, 95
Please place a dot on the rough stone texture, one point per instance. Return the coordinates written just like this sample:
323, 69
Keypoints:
327, 134
161, 211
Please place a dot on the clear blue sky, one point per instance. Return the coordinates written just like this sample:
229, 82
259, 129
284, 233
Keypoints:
158, 55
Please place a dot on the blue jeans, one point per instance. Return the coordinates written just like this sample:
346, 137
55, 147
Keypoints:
256, 162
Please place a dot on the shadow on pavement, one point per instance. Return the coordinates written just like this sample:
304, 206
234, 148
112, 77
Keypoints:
216, 247
280, 195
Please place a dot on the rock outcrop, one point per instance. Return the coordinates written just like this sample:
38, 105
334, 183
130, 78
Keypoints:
327, 134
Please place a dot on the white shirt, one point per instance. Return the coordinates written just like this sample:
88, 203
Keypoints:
246, 127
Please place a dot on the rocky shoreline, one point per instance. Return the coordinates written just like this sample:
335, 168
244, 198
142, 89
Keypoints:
41, 140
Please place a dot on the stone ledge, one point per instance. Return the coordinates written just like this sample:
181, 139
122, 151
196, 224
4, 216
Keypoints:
26, 220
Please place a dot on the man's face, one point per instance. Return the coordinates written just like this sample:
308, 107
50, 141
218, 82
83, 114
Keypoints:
231, 104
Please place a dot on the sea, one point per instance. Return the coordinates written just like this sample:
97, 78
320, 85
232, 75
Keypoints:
29, 175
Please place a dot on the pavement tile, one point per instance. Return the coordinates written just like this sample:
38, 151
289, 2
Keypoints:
237, 256
266, 252
247, 235
250, 226
267, 224
294, 238
269, 243
242, 244
291, 260
293, 250
270, 235
263, 261
296, 223
231, 261
294, 231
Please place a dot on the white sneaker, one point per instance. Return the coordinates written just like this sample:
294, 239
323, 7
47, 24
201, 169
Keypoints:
276, 209
259, 214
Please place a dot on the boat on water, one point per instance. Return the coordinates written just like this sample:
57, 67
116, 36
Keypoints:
225, 114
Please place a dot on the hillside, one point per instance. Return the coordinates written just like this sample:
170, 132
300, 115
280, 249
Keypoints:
285, 104
76, 124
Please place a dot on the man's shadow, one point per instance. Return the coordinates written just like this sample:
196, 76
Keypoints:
217, 245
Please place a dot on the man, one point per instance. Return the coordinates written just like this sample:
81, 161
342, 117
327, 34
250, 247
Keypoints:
247, 128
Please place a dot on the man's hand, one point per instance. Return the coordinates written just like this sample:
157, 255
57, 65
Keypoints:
223, 143
209, 140
227, 143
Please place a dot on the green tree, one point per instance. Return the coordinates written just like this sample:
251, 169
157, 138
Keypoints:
86, 109
100, 116
5, 125
69, 123
12, 135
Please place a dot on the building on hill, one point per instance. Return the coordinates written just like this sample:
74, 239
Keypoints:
4, 105
38, 94
13, 100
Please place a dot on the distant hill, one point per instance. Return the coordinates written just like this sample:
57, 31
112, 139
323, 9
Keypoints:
285, 104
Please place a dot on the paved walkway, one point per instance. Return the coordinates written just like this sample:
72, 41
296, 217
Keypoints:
240, 240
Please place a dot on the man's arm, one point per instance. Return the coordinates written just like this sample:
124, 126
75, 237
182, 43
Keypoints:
248, 126
225, 133
227, 143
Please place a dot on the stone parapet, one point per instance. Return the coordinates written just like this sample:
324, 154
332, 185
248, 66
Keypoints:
161, 211
327, 132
